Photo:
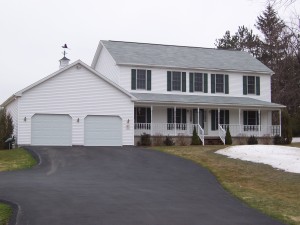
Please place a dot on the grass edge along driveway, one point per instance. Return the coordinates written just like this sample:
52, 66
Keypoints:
13, 160
274, 192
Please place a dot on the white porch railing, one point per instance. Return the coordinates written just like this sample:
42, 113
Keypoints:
222, 133
248, 130
172, 129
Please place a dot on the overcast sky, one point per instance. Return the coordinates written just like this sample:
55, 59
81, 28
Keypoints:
33, 31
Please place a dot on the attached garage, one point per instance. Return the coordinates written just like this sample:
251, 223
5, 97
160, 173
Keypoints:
49, 129
102, 131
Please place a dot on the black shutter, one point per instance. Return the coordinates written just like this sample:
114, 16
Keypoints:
170, 115
191, 82
226, 116
148, 115
245, 91
149, 80
133, 79
245, 118
183, 116
226, 84
213, 83
205, 83
257, 117
183, 75
213, 119
169, 74
257, 85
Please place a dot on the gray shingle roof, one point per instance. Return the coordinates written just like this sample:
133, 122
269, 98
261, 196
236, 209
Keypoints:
204, 100
131, 53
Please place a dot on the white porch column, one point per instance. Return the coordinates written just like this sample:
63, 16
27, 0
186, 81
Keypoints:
240, 121
175, 120
198, 115
218, 117
280, 122
259, 125
151, 120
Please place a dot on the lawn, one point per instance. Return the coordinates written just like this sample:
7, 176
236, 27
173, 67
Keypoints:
274, 192
13, 160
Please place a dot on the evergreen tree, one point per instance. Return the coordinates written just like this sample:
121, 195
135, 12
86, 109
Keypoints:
228, 139
195, 138
6, 128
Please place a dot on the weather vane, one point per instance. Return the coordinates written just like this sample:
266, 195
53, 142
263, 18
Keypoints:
65, 47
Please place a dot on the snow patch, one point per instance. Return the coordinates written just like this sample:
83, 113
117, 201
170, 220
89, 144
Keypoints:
280, 157
296, 140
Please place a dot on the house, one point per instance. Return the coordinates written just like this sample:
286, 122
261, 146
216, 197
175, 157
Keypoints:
135, 88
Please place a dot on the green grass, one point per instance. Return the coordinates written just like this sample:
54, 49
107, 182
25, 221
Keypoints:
13, 160
274, 192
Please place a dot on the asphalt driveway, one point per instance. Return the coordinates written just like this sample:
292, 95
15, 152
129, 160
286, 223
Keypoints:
120, 186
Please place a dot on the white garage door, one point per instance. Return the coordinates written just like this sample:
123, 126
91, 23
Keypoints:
51, 130
102, 131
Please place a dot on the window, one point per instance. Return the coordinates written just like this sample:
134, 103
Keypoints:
142, 115
176, 81
224, 118
140, 79
251, 85
198, 82
251, 120
180, 119
219, 83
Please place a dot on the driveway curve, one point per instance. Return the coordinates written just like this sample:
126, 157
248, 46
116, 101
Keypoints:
120, 186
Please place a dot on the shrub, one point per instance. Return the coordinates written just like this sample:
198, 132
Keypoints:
145, 139
181, 140
286, 129
278, 140
6, 128
228, 139
169, 141
195, 139
252, 140
158, 140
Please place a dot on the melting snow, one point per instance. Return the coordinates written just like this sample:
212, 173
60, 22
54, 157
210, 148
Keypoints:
280, 157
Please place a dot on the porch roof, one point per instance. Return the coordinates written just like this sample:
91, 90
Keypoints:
204, 100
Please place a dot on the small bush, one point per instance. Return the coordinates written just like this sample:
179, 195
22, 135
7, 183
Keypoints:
158, 140
278, 140
169, 141
181, 140
145, 139
252, 140
228, 139
195, 139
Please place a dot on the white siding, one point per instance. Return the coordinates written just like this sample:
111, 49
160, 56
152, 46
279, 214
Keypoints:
159, 83
12, 109
78, 93
107, 66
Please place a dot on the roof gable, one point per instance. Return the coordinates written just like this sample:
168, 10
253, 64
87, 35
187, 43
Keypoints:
170, 56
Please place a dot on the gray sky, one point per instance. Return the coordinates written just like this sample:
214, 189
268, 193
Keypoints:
33, 31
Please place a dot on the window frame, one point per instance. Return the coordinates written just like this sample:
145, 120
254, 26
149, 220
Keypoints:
194, 81
137, 73
180, 85
223, 85
254, 85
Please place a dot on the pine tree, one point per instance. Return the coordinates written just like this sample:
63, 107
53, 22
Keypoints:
6, 128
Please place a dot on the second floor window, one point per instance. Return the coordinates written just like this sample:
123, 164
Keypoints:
251, 85
176, 81
220, 83
198, 82
140, 79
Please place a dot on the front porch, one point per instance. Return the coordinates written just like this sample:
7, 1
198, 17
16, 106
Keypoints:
157, 120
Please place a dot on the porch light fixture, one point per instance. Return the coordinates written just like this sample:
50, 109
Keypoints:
25, 119
78, 120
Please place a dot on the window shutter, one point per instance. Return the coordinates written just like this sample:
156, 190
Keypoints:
133, 79
148, 115
170, 115
169, 80
149, 80
257, 119
226, 84
245, 118
191, 82
257, 85
245, 91
213, 119
213, 83
183, 75
183, 116
226, 116
205, 83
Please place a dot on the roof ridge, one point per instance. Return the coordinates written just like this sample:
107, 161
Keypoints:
168, 45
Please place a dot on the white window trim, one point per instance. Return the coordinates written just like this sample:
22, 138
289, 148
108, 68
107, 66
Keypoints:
223, 83
180, 81
136, 82
202, 74
254, 86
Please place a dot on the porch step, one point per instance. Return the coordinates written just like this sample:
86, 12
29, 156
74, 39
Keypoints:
212, 140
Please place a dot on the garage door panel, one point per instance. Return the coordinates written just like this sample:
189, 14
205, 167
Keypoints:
103, 131
49, 129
